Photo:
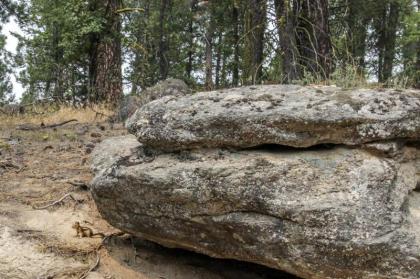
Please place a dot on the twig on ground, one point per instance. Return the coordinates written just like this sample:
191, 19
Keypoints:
28, 231
8, 165
79, 184
60, 124
56, 202
21, 169
99, 113
42, 126
84, 275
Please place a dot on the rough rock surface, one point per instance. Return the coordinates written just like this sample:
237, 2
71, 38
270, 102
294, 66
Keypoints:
319, 213
168, 87
417, 164
278, 114
109, 151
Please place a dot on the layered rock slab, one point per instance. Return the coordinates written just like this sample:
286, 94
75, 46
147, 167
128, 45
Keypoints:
277, 114
334, 213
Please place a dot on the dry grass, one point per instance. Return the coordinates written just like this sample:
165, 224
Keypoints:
83, 115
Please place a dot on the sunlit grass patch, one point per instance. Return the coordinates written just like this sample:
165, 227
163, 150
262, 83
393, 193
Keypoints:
50, 116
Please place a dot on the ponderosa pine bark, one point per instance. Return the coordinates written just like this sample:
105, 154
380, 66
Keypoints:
163, 41
313, 37
357, 34
209, 85
189, 66
286, 32
386, 27
255, 23
417, 66
218, 59
105, 72
235, 35
390, 42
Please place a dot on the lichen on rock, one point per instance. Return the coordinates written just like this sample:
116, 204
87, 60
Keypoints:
278, 114
332, 198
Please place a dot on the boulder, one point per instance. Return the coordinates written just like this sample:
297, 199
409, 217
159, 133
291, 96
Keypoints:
112, 150
278, 114
334, 212
127, 107
169, 87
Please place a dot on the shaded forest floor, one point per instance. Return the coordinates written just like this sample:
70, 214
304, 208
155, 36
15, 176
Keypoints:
38, 167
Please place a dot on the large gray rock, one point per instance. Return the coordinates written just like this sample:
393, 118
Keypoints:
326, 213
107, 153
278, 114
169, 87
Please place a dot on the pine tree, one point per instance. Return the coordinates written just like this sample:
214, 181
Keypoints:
105, 54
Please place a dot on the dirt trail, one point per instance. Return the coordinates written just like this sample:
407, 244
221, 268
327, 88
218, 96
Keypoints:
35, 170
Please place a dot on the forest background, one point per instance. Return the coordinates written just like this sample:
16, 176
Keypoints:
73, 51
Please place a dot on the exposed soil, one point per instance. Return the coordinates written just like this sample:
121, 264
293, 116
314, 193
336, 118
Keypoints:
39, 167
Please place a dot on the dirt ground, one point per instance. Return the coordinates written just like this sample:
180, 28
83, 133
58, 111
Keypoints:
39, 167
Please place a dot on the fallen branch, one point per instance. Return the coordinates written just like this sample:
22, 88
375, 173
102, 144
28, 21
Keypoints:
81, 185
84, 275
42, 126
8, 165
21, 169
60, 124
99, 113
28, 231
56, 202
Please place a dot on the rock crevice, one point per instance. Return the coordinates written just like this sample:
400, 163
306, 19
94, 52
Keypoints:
346, 211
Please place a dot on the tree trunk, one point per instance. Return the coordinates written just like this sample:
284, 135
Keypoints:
314, 42
255, 27
417, 66
235, 70
380, 44
58, 93
189, 66
163, 43
286, 31
386, 27
357, 34
209, 50
218, 58
223, 72
105, 56
390, 42
142, 76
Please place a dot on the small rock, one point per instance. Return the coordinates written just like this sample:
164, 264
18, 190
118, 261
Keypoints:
82, 130
95, 135
96, 140
102, 127
169, 87
90, 145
